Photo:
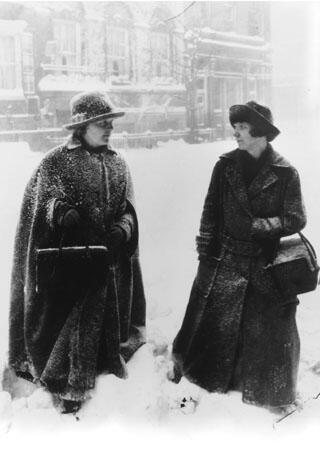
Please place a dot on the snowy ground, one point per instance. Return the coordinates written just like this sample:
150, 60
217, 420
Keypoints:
170, 183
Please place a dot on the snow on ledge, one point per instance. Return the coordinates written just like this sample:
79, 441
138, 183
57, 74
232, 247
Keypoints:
233, 35
69, 84
11, 94
12, 27
232, 44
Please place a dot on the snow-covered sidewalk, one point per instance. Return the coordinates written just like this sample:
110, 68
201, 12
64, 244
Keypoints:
170, 182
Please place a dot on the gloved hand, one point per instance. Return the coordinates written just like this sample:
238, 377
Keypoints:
116, 236
66, 216
71, 219
289, 303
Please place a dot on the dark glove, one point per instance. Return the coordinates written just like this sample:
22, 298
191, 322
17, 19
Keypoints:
66, 216
288, 303
116, 236
71, 219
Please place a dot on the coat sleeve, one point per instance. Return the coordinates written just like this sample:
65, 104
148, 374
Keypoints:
293, 217
126, 218
207, 242
52, 193
126, 223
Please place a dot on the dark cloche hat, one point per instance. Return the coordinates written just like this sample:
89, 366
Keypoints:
88, 107
255, 114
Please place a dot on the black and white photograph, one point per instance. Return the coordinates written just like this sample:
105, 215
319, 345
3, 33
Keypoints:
159, 226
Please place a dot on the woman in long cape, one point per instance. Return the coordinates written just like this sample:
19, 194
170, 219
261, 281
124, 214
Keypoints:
81, 193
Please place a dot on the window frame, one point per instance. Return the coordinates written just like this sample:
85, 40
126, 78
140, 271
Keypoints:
72, 56
121, 58
7, 65
156, 53
28, 66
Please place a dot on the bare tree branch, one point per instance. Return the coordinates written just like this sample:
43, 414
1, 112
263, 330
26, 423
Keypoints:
180, 14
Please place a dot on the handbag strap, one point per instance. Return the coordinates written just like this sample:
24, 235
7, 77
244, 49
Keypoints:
307, 243
219, 213
221, 188
310, 248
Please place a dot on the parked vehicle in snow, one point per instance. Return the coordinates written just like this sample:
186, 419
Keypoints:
154, 108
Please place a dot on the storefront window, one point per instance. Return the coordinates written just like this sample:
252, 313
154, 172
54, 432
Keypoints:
7, 63
252, 88
126, 100
167, 99
155, 99
233, 91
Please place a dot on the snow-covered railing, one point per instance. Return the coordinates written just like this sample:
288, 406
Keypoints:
71, 68
151, 138
42, 140
148, 139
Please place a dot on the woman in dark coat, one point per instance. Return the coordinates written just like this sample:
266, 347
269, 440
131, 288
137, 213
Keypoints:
81, 194
239, 332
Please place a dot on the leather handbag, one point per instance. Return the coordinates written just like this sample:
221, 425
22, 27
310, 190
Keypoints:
70, 269
295, 268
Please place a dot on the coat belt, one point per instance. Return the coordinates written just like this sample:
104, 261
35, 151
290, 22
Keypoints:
240, 247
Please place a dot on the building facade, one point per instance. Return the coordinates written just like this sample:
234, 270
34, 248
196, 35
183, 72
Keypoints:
229, 59
168, 64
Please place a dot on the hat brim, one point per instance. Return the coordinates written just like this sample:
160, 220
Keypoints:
243, 113
110, 115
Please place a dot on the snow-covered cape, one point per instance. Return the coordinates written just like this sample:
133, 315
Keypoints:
62, 342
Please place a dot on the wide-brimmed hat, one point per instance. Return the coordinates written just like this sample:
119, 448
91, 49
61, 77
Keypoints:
255, 114
88, 107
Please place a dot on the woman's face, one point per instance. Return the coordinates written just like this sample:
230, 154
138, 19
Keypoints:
243, 136
98, 133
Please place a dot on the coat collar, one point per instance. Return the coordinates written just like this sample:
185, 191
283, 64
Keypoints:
73, 143
265, 177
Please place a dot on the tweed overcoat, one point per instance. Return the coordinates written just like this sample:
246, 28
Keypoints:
234, 304
64, 341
